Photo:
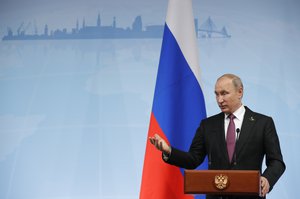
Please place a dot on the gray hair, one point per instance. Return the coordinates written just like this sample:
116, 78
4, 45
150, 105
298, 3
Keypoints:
237, 82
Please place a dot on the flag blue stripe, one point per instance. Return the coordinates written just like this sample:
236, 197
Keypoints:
178, 103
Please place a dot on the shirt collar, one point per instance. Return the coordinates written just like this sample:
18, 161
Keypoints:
239, 113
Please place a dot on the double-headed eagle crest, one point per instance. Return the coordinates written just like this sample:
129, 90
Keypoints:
221, 181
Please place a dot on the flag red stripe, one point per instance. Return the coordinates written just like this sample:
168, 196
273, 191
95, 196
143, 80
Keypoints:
157, 174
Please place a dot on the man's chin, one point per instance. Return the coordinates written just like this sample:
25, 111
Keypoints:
224, 110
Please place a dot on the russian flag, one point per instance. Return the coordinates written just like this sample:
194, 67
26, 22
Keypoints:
178, 105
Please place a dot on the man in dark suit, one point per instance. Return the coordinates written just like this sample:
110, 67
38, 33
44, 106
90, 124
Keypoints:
235, 139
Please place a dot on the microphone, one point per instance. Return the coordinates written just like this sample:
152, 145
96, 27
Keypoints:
237, 138
237, 134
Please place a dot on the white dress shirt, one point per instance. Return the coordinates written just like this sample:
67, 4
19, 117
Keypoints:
238, 120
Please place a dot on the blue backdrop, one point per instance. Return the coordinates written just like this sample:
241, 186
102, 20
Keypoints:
77, 83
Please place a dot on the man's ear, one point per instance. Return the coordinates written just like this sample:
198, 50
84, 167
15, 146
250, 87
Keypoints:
241, 92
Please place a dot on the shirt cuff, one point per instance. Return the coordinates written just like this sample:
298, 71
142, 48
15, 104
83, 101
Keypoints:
167, 156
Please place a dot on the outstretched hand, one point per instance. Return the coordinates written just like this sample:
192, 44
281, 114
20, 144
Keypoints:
160, 144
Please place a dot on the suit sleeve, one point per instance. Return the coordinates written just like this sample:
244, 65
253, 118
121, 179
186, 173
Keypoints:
194, 157
274, 160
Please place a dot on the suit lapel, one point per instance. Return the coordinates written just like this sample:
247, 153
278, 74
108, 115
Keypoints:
248, 122
221, 135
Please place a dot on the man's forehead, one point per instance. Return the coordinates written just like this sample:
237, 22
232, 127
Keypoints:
222, 86
223, 83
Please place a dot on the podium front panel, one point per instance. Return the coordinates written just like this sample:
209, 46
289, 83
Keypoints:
222, 182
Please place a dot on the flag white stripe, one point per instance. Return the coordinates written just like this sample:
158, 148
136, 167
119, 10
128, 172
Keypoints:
180, 21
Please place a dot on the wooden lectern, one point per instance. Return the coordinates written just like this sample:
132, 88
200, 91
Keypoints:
222, 182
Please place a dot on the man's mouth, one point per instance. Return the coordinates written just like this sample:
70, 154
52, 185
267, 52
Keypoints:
222, 107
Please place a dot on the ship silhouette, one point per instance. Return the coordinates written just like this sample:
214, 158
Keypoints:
207, 30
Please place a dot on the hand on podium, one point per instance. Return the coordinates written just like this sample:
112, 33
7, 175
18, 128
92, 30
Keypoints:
265, 186
160, 144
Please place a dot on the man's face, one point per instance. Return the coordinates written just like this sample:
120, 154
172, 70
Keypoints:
228, 97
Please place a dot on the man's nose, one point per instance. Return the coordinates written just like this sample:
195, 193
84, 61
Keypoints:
219, 99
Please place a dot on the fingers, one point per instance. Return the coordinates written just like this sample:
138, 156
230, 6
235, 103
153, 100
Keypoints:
154, 140
265, 186
159, 143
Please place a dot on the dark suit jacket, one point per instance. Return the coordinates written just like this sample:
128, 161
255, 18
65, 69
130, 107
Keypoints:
257, 139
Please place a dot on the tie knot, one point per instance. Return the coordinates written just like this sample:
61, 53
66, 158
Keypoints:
231, 116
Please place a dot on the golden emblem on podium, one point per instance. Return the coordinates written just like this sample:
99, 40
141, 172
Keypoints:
221, 181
